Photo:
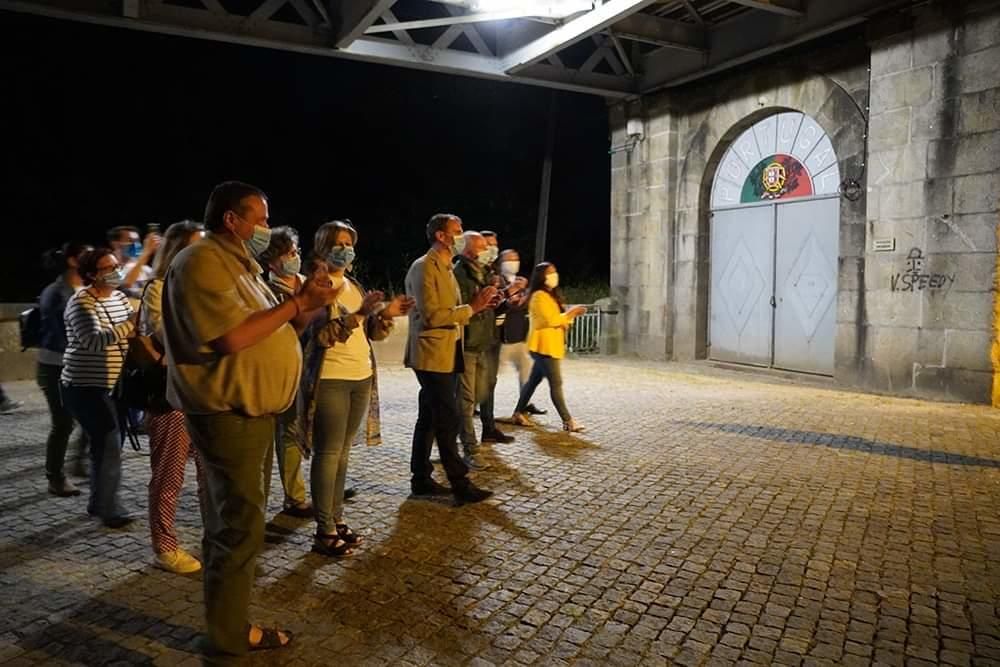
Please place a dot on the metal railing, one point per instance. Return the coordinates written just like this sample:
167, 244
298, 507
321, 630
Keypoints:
584, 337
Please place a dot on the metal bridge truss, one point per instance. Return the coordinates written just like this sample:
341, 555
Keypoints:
613, 48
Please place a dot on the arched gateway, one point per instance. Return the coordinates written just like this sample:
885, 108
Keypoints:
774, 247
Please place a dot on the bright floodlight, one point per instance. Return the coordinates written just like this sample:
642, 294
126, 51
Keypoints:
556, 9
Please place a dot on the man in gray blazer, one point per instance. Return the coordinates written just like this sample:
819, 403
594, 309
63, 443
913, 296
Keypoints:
434, 352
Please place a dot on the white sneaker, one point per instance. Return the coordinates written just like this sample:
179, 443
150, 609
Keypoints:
178, 562
522, 419
573, 426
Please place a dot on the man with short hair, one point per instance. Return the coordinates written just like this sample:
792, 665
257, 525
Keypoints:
479, 342
233, 364
434, 352
514, 327
135, 256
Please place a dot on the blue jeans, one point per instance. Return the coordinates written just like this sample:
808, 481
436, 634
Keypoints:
95, 410
340, 407
545, 367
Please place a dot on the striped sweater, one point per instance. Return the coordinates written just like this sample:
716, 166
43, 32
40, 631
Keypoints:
96, 339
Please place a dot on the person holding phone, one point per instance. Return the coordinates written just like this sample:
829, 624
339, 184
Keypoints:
99, 322
549, 319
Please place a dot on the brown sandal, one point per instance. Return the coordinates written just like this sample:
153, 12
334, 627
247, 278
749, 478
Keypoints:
270, 638
348, 535
331, 545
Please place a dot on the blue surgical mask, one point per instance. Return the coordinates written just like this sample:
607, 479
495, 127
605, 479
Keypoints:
290, 267
341, 256
259, 242
134, 250
113, 279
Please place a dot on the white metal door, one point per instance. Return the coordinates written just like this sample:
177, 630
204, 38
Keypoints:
742, 285
805, 314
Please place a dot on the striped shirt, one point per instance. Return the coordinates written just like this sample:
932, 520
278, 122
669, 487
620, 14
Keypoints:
96, 339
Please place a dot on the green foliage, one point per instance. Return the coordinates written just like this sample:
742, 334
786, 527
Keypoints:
585, 293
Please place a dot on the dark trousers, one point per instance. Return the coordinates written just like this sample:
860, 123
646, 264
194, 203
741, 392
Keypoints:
62, 422
437, 418
544, 368
97, 413
232, 449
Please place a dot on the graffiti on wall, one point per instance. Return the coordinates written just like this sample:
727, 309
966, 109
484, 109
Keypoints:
916, 279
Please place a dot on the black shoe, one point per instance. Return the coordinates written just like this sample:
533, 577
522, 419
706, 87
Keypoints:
470, 493
303, 510
496, 435
429, 488
532, 409
350, 493
117, 521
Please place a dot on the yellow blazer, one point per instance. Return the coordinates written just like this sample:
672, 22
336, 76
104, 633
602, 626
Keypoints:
547, 326
437, 319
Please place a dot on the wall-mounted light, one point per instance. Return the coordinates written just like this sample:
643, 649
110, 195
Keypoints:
634, 129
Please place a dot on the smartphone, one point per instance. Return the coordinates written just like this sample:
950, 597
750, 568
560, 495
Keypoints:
152, 228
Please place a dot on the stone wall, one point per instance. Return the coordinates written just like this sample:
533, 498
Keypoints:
14, 364
929, 181
933, 188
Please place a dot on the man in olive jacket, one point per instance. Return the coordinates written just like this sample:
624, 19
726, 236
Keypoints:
471, 272
434, 352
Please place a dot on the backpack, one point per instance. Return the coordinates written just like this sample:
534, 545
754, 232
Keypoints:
29, 323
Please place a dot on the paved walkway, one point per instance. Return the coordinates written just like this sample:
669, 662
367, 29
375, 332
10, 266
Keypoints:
710, 519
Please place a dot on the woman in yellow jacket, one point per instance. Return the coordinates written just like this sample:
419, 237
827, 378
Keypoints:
549, 321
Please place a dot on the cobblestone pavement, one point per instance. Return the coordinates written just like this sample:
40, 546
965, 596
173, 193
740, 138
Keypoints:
702, 519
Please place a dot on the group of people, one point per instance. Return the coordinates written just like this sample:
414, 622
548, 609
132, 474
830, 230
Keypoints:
265, 352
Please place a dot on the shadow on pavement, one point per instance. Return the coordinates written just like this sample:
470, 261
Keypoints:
849, 442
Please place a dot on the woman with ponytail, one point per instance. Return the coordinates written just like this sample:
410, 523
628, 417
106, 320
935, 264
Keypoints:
65, 262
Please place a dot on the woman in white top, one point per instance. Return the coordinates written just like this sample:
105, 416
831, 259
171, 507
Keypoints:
99, 322
169, 442
339, 382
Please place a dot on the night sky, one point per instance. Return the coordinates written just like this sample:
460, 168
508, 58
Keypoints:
104, 127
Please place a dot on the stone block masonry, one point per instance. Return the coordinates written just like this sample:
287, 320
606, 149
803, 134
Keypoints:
928, 159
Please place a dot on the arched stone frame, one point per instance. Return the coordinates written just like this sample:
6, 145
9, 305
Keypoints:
830, 105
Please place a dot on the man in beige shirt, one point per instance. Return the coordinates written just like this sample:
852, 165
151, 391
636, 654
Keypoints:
233, 364
434, 352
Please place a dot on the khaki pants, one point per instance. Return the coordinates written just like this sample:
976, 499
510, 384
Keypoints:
289, 456
232, 450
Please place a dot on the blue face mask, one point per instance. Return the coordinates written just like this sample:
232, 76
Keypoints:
341, 256
134, 250
113, 279
259, 242
290, 267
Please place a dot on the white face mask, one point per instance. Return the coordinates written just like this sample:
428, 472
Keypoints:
552, 280
510, 268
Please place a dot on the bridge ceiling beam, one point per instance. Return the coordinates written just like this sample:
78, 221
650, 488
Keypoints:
351, 18
594, 21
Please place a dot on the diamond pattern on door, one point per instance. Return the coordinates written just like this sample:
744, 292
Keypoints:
809, 286
743, 285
